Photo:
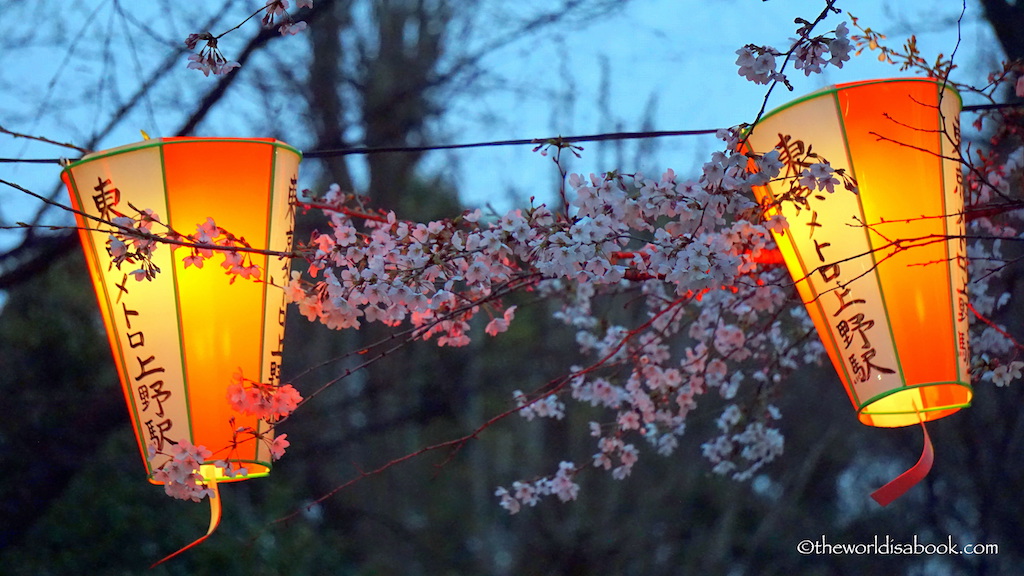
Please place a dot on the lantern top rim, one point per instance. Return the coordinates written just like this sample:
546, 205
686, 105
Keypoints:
835, 88
159, 142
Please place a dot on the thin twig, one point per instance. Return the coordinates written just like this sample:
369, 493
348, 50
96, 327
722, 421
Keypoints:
43, 139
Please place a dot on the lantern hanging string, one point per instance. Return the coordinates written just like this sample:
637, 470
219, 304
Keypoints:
539, 142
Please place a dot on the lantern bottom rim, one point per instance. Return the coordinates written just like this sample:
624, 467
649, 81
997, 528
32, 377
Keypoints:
255, 470
910, 405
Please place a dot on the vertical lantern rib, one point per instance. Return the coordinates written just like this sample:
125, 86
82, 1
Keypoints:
262, 426
940, 131
950, 148
841, 118
186, 382
875, 264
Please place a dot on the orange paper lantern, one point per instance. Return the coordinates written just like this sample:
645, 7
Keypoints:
179, 338
882, 272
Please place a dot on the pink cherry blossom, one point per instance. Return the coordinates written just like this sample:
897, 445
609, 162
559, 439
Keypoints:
180, 472
265, 401
278, 446
292, 28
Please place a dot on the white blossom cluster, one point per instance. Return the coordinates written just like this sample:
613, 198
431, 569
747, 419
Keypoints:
133, 240
180, 475
759, 64
560, 484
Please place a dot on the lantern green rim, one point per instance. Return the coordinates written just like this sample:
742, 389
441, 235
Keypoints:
866, 407
867, 412
836, 88
225, 478
161, 142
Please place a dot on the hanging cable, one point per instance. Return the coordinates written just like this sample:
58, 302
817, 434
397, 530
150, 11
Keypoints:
365, 150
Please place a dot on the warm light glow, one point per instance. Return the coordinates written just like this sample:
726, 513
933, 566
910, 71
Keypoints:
178, 339
883, 273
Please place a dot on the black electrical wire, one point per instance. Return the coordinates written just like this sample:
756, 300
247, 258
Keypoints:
497, 143
364, 150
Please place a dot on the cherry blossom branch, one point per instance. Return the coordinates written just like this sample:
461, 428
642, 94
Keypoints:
408, 335
356, 214
995, 327
43, 139
767, 67
882, 138
210, 59
456, 444
448, 444
172, 238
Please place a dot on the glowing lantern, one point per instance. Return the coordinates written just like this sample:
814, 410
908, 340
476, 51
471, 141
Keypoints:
882, 272
179, 338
